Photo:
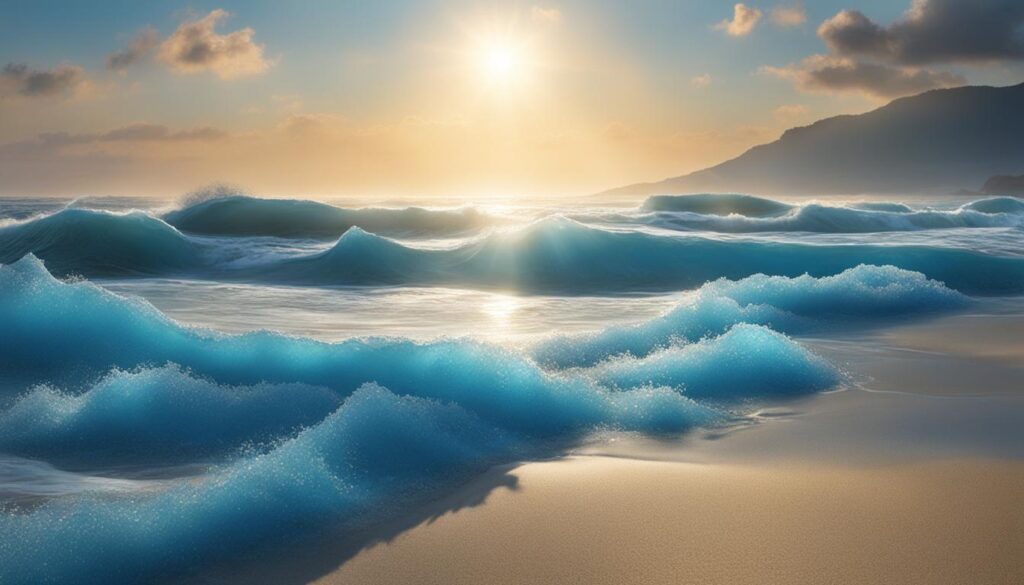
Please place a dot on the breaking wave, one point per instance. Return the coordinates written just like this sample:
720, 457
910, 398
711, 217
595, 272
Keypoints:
100, 243
303, 434
239, 215
746, 214
558, 255
551, 255
855, 297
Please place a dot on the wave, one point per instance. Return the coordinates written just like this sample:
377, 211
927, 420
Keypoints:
854, 297
240, 215
748, 360
160, 414
374, 452
351, 431
997, 205
717, 204
72, 331
558, 255
856, 218
553, 255
101, 243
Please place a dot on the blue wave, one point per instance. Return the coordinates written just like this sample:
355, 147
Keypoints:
375, 452
717, 204
160, 415
339, 447
997, 205
100, 243
748, 360
795, 305
58, 327
856, 218
554, 255
559, 255
239, 215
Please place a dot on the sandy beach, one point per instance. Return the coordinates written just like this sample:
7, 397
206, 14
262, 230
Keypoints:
868, 485
605, 520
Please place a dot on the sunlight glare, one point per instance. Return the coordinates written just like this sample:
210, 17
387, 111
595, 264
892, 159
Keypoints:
503, 63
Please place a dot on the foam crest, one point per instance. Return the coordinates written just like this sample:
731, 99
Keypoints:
852, 298
747, 361
161, 415
857, 218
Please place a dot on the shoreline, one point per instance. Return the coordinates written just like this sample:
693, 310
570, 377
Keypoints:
912, 476
614, 520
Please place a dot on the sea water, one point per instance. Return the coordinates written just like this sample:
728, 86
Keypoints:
182, 384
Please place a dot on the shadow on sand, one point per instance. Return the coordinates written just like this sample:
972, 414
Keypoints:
300, 561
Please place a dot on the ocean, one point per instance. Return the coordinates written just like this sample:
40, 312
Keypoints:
187, 383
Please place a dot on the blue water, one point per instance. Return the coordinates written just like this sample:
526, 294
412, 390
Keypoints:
313, 366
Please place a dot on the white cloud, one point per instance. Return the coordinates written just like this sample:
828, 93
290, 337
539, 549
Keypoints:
195, 47
545, 15
744, 19
789, 15
701, 81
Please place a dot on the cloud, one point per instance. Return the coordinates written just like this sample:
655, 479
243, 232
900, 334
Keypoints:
20, 79
138, 49
52, 143
545, 15
933, 31
701, 81
195, 47
788, 112
792, 15
828, 73
157, 132
744, 19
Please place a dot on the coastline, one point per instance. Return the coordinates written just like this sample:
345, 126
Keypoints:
866, 485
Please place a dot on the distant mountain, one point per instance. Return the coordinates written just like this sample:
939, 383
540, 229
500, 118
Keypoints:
937, 141
1004, 185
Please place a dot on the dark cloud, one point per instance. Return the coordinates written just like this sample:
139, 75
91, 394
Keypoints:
933, 31
824, 73
20, 79
140, 48
196, 47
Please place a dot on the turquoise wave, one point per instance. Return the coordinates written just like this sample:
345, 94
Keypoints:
303, 434
238, 215
553, 255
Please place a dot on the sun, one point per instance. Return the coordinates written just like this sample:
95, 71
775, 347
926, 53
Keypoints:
503, 63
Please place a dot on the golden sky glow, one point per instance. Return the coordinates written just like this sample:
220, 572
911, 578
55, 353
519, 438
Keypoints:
455, 99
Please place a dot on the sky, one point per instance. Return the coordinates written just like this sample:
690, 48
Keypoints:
454, 99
